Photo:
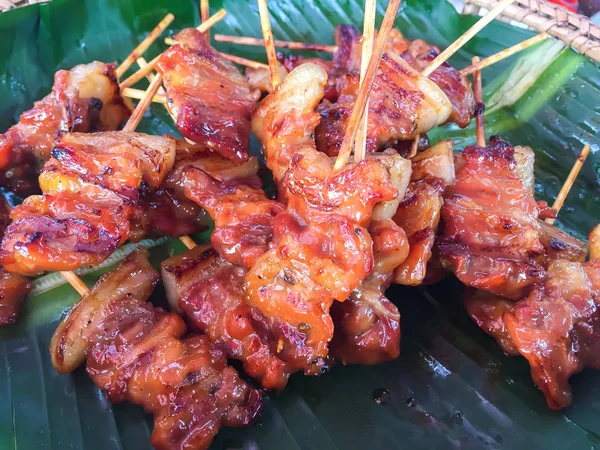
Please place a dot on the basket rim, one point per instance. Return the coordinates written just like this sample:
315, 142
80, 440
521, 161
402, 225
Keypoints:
575, 30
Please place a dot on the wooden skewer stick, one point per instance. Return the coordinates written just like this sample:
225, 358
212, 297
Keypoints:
479, 106
360, 145
144, 45
504, 54
204, 15
141, 61
139, 94
233, 58
243, 40
143, 105
564, 191
131, 125
365, 87
244, 62
265, 26
466, 37
142, 73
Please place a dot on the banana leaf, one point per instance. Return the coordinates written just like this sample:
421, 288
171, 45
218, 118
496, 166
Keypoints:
452, 387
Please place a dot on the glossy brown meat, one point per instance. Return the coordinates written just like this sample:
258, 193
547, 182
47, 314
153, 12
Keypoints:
243, 215
209, 292
84, 99
211, 101
418, 214
90, 188
367, 324
166, 211
13, 290
455, 85
320, 251
139, 353
292, 286
402, 104
285, 121
490, 235
560, 245
487, 311
557, 328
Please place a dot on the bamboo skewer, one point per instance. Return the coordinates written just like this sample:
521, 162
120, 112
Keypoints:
130, 126
144, 45
243, 40
265, 26
479, 106
244, 62
466, 37
204, 15
142, 73
360, 145
139, 94
233, 58
564, 191
363, 92
504, 54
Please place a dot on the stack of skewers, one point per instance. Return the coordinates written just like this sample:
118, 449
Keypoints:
294, 283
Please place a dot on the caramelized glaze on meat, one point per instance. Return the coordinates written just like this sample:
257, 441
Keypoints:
367, 324
557, 327
243, 215
83, 99
13, 290
209, 292
166, 211
320, 251
90, 190
402, 104
491, 235
139, 353
211, 101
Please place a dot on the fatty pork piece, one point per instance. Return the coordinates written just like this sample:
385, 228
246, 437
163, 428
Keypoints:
367, 324
13, 287
166, 211
209, 292
90, 190
454, 84
419, 211
402, 105
320, 251
211, 101
242, 213
557, 327
140, 353
83, 99
491, 237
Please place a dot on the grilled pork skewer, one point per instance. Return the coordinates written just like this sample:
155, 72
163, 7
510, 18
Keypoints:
142, 354
83, 99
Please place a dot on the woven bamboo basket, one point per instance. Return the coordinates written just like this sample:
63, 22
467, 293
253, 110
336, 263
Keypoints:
573, 29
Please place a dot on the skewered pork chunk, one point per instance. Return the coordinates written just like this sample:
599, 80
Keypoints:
419, 211
209, 292
13, 287
367, 324
90, 187
491, 235
211, 101
166, 211
139, 353
243, 215
83, 99
402, 104
320, 251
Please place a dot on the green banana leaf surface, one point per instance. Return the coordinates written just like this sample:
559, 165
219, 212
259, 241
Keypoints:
452, 387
